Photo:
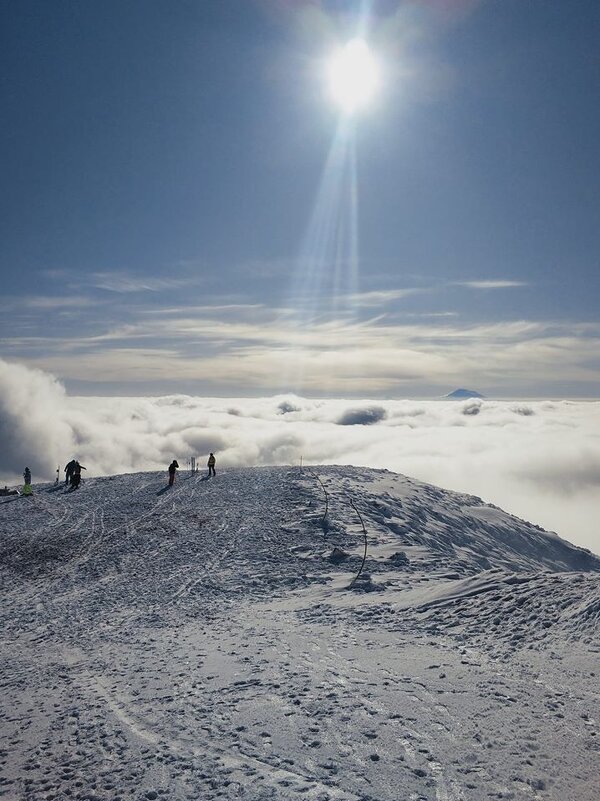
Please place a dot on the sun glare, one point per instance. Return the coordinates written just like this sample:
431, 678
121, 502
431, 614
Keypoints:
353, 76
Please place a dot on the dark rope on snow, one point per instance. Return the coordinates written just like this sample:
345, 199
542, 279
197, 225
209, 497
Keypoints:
360, 517
352, 504
312, 472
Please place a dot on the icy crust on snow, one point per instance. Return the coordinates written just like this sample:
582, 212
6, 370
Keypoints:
209, 642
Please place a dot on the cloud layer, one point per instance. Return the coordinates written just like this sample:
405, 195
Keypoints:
539, 460
129, 335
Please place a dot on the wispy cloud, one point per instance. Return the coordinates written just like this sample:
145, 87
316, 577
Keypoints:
498, 284
231, 345
65, 302
267, 353
43, 303
380, 297
124, 284
431, 315
213, 310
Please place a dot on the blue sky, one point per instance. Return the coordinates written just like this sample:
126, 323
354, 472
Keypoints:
178, 215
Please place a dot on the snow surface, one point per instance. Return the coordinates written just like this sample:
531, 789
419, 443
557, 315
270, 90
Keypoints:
206, 641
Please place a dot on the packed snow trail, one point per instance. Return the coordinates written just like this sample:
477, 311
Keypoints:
198, 642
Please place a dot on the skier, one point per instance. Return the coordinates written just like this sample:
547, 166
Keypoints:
211, 465
172, 468
69, 468
27, 476
76, 477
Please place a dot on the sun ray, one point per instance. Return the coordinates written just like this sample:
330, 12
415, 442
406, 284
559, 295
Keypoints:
326, 275
326, 279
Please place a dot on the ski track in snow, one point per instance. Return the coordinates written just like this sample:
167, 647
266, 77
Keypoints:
198, 643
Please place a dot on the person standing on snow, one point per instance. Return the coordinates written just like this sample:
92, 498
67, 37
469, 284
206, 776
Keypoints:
69, 468
211, 465
172, 468
27, 490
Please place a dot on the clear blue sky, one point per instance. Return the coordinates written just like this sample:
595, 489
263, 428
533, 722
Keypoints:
161, 165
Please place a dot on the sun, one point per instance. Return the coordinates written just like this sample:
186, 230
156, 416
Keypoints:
353, 75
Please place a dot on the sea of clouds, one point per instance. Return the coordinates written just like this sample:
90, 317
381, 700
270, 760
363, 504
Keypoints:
539, 460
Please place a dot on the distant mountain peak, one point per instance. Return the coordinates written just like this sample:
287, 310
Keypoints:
460, 394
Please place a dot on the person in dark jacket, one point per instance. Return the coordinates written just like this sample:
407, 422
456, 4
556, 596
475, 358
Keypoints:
211, 465
27, 476
172, 468
69, 471
76, 477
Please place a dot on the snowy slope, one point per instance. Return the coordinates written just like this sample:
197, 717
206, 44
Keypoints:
207, 642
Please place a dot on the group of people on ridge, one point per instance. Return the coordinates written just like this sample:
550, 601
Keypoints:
73, 473
174, 466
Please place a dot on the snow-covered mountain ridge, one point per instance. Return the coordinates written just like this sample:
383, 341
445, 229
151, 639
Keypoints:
208, 641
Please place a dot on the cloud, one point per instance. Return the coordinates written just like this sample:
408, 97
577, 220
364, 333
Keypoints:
523, 409
500, 284
33, 427
264, 353
366, 416
212, 310
539, 460
125, 284
63, 302
380, 297
472, 407
230, 347
286, 406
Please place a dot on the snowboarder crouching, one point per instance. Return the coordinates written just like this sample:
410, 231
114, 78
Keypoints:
76, 477
211, 465
172, 468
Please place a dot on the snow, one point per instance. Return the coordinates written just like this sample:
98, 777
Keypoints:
199, 643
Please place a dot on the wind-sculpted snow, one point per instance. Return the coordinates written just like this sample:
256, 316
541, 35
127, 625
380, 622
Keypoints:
209, 641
